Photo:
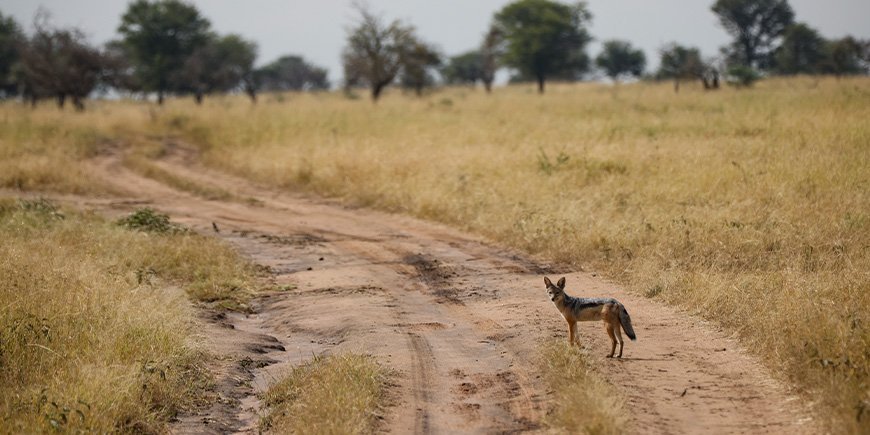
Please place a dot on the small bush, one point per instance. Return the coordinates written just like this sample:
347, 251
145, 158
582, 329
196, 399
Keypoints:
742, 76
150, 221
327, 395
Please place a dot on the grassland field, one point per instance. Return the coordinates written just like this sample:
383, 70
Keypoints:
748, 207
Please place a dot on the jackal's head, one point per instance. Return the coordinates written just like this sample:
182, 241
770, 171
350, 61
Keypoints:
555, 291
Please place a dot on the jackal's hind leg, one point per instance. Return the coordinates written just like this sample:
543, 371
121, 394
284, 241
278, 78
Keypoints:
619, 339
609, 329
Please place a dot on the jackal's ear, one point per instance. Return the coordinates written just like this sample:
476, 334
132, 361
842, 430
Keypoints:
547, 282
561, 283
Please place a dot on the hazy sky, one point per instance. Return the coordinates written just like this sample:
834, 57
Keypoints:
316, 29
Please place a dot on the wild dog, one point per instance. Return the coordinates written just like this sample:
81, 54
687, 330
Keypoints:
576, 310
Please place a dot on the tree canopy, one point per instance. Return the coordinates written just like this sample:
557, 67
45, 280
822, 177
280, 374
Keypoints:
620, 59
544, 38
463, 69
803, 51
374, 52
291, 73
756, 26
848, 56
58, 63
11, 39
219, 65
419, 61
159, 37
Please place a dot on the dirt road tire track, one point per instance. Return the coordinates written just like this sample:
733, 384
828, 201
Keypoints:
458, 319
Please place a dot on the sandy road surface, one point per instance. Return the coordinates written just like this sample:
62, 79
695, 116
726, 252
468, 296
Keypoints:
458, 319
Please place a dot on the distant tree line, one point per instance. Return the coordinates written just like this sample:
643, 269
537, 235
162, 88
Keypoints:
166, 47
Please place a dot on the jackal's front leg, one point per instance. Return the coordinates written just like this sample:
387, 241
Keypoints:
573, 339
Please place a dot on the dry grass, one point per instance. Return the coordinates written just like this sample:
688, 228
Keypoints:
582, 402
96, 331
337, 394
747, 207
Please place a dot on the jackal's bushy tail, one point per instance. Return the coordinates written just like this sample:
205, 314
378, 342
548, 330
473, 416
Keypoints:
625, 320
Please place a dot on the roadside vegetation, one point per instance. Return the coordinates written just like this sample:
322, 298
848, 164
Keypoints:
97, 329
748, 207
594, 408
335, 394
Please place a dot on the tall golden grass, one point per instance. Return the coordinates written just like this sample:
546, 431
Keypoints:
748, 207
97, 334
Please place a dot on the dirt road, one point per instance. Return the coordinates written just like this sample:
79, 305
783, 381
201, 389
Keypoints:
459, 320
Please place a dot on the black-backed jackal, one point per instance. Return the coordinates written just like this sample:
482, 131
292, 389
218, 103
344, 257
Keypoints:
576, 310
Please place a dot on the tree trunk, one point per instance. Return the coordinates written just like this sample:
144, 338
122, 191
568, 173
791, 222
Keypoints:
61, 101
78, 104
540, 83
252, 93
160, 97
487, 84
376, 92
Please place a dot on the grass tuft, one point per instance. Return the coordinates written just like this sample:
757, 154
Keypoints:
150, 221
327, 395
583, 402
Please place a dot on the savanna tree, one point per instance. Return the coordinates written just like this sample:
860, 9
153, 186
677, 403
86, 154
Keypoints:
419, 60
544, 39
491, 50
803, 51
678, 63
619, 59
59, 63
291, 73
159, 37
222, 64
847, 56
756, 26
464, 69
374, 52
11, 41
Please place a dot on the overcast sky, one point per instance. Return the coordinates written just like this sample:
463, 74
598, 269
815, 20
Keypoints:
316, 29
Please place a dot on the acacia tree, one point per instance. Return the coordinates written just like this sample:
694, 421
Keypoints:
619, 59
756, 26
803, 51
544, 38
680, 63
463, 69
418, 61
291, 73
374, 52
159, 37
491, 50
220, 65
848, 56
59, 63
11, 40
